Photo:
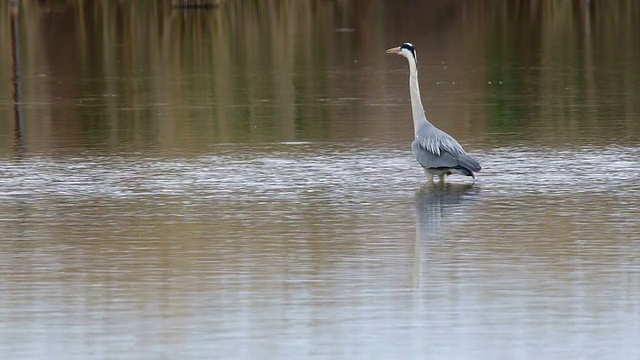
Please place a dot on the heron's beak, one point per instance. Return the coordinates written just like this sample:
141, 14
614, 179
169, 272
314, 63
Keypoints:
395, 50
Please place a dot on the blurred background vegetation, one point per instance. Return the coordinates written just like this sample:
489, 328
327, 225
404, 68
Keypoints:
153, 73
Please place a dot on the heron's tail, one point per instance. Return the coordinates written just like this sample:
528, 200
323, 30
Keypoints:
464, 171
468, 163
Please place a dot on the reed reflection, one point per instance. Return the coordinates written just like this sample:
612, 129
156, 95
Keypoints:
287, 71
16, 79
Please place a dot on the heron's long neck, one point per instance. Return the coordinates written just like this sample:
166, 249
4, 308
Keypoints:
419, 116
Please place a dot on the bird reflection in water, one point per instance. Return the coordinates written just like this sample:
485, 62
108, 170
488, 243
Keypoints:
440, 208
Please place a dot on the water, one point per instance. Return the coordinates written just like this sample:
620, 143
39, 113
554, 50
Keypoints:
271, 208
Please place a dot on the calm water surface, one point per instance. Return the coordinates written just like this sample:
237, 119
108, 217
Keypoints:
217, 206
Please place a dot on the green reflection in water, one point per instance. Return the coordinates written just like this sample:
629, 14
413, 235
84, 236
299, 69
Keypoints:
136, 75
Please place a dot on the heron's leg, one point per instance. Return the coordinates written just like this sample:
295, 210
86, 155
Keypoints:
442, 177
429, 176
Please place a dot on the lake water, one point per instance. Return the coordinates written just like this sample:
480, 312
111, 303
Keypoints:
237, 182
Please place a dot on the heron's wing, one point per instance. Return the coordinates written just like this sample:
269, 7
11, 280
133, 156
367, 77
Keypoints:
435, 149
429, 159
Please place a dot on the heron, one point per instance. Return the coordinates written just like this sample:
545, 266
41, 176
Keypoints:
438, 152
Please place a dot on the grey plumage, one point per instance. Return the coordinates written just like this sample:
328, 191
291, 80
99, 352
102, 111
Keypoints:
435, 149
438, 152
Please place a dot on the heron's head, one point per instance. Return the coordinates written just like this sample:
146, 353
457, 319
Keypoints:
407, 50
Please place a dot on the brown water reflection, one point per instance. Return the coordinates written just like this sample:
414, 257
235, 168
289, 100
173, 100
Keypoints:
237, 182
527, 70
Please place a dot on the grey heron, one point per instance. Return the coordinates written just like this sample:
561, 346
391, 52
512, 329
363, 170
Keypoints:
438, 152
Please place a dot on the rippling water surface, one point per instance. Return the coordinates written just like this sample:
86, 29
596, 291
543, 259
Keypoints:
320, 249
237, 182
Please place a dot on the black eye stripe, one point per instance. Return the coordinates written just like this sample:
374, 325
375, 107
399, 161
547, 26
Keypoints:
407, 46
